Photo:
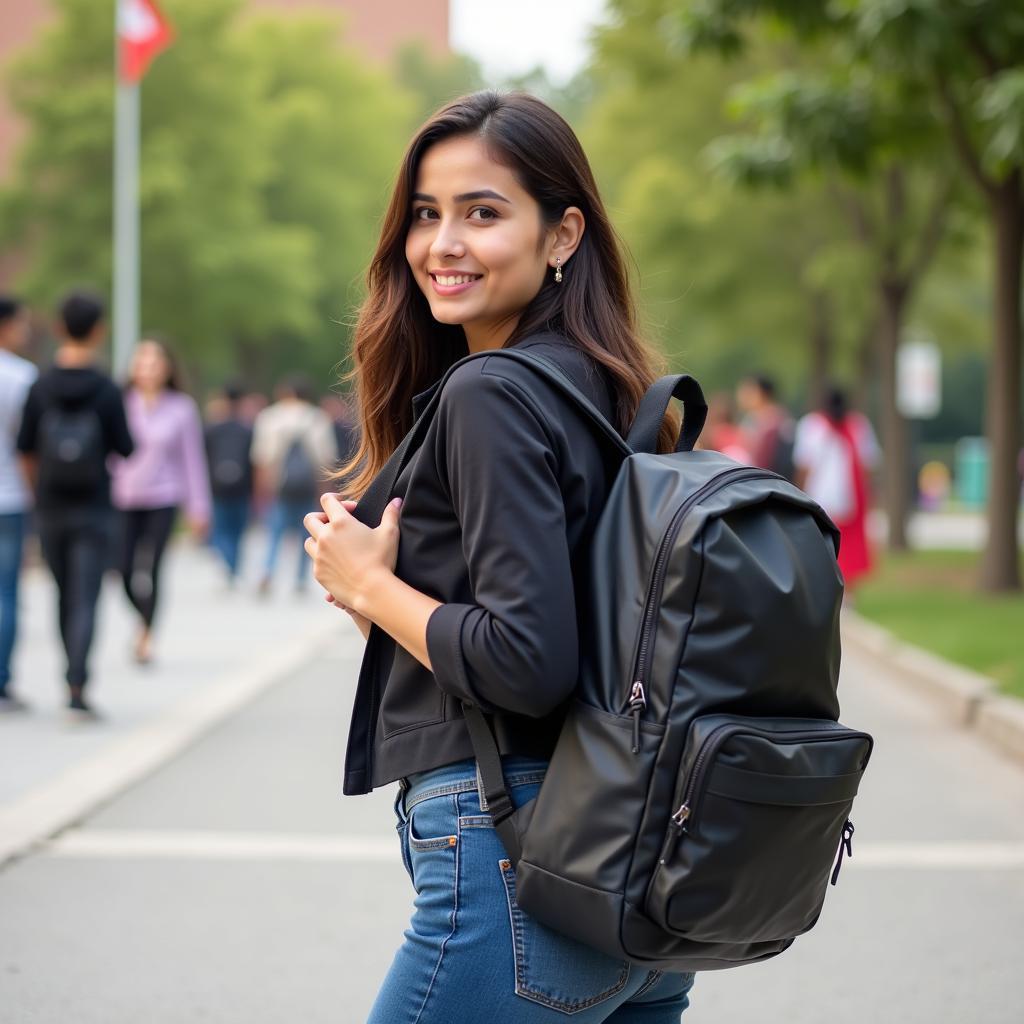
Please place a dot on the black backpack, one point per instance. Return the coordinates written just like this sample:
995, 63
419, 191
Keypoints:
299, 479
72, 451
701, 784
227, 453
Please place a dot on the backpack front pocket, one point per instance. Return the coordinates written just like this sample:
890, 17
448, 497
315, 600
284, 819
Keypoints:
761, 808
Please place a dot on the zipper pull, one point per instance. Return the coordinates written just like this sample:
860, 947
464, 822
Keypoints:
678, 827
637, 702
845, 846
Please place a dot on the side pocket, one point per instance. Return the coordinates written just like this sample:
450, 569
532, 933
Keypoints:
554, 970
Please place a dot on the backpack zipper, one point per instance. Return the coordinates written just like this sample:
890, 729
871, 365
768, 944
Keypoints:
682, 819
637, 697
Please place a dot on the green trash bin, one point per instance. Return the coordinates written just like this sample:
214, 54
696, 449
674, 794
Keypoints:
970, 473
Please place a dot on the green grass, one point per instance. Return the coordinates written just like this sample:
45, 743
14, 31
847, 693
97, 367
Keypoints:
930, 598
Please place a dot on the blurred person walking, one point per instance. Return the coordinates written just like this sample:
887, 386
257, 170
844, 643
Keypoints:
768, 427
74, 418
167, 471
293, 450
228, 455
343, 420
721, 432
16, 377
834, 452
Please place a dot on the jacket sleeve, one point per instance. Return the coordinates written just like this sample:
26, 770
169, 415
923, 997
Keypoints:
193, 454
119, 437
515, 646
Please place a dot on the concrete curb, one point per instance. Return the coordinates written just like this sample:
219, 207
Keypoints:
67, 799
963, 697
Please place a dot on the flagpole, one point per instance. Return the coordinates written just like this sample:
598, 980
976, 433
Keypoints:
126, 214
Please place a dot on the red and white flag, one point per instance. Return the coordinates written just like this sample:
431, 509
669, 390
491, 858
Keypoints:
142, 33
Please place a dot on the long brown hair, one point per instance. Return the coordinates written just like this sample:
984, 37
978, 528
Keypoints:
399, 349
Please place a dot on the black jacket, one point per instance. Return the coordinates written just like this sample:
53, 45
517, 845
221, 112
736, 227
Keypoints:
499, 504
76, 388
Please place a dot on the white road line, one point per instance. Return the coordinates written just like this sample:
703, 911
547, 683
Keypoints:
942, 855
111, 843
144, 844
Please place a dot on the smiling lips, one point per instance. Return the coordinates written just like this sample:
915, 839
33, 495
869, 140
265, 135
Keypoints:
453, 284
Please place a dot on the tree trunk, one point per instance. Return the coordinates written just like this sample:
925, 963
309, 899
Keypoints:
821, 349
999, 566
867, 360
895, 446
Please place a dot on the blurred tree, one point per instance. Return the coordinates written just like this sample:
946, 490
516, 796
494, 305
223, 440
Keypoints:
965, 58
264, 149
334, 132
705, 246
881, 159
969, 56
433, 81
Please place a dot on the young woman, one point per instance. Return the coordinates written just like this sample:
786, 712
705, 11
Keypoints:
495, 237
166, 470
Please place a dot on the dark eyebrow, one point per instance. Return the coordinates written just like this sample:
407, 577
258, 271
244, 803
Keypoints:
466, 197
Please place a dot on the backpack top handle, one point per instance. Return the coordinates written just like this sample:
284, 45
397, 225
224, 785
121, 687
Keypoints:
643, 435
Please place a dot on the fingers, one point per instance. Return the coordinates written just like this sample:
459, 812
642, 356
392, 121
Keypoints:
310, 546
335, 507
391, 512
315, 523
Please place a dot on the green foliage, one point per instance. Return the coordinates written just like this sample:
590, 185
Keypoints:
434, 81
729, 278
265, 156
1000, 107
928, 598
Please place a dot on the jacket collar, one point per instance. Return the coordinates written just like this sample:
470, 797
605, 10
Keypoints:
419, 402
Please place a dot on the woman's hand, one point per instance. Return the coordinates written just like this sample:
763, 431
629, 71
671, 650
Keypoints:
349, 558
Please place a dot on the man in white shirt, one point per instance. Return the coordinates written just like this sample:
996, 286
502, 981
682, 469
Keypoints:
293, 451
16, 377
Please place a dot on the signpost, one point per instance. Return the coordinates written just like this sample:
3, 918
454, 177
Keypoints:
919, 380
142, 32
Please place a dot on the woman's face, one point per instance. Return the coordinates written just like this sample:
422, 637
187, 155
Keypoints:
476, 245
150, 369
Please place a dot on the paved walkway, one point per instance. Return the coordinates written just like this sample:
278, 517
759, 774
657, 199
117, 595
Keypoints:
234, 884
214, 650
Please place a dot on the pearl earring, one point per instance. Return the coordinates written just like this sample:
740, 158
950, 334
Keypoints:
558, 269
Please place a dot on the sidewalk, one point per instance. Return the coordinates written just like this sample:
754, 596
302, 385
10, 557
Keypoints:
215, 650
236, 884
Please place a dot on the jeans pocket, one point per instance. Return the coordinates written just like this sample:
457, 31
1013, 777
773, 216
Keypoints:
429, 823
554, 970
431, 844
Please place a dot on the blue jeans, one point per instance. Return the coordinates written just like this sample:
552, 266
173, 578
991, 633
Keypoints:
12, 541
286, 517
470, 954
230, 516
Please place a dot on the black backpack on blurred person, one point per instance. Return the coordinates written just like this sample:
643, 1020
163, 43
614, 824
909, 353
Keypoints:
299, 479
701, 784
72, 450
227, 453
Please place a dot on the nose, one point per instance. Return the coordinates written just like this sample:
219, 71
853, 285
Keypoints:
447, 241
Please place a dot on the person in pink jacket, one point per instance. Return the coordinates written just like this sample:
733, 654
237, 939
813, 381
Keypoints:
167, 471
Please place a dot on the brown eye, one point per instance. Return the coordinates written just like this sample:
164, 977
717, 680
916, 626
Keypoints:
490, 214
